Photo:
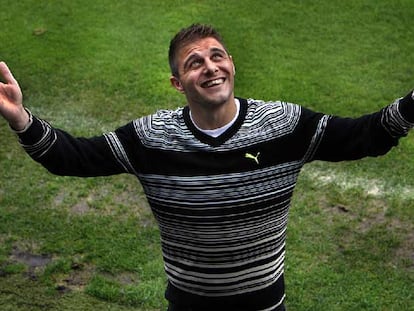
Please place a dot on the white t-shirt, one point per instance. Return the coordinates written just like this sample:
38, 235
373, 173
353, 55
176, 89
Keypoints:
218, 131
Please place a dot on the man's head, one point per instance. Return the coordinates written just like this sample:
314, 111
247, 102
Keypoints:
202, 69
188, 35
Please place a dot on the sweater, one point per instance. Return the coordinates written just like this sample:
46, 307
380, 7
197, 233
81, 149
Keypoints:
222, 203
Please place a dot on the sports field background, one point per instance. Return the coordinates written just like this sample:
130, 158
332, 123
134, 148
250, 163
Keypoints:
91, 66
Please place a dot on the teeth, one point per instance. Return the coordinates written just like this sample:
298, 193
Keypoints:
214, 82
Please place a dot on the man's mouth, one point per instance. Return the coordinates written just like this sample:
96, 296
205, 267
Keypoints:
212, 83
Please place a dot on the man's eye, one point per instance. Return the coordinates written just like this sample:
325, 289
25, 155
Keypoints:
217, 56
195, 64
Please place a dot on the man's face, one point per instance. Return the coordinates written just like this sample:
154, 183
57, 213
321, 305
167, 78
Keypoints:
206, 73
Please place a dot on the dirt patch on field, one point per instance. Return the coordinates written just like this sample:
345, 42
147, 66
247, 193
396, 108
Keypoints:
107, 199
365, 219
35, 264
406, 250
76, 280
32, 261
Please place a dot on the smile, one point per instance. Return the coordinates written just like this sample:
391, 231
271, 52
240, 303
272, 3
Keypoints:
212, 83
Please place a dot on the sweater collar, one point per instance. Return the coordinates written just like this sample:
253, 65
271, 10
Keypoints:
223, 137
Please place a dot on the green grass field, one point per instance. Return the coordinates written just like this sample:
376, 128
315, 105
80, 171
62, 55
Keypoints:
91, 66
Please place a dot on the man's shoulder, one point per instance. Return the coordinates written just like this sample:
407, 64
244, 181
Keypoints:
261, 108
169, 113
161, 124
162, 117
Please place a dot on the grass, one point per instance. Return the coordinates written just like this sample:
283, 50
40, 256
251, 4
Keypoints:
89, 67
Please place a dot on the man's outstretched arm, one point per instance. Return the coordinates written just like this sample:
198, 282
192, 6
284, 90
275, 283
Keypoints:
55, 149
11, 100
369, 135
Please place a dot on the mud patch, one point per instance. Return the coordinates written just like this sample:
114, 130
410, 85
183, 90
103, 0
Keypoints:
126, 278
80, 208
404, 252
34, 262
406, 249
76, 280
369, 216
122, 198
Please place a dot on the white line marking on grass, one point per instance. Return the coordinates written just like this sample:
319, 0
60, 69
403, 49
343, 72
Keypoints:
373, 187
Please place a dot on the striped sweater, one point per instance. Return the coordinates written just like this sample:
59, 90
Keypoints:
222, 203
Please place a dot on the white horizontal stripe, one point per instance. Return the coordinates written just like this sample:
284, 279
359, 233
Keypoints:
245, 256
224, 180
245, 218
213, 204
228, 277
276, 305
201, 237
262, 241
243, 287
183, 261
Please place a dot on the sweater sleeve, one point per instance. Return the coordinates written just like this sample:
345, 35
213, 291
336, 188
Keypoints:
62, 154
370, 135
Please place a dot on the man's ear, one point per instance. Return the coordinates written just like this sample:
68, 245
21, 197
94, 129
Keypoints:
175, 82
234, 68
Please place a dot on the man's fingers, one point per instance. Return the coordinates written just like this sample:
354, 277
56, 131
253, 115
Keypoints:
6, 74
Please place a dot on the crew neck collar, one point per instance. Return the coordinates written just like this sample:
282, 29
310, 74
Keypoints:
229, 129
218, 131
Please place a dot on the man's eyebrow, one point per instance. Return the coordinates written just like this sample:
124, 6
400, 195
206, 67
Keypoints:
218, 50
190, 58
197, 55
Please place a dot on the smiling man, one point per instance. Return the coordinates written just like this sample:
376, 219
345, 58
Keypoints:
218, 173
204, 72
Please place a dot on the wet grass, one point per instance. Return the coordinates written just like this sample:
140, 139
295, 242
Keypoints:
88, 67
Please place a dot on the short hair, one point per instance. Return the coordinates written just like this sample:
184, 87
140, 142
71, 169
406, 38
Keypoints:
187, 35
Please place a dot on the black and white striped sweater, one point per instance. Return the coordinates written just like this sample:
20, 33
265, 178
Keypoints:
222, 203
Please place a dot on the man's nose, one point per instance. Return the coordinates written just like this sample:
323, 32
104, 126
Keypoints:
210, 67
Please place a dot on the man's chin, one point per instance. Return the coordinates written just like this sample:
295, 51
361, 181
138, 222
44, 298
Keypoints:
210, 99
216, 102
218, 99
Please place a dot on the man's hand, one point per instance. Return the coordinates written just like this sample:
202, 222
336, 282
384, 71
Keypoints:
11, 100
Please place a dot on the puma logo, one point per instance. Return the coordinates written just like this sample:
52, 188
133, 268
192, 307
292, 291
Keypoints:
250, 156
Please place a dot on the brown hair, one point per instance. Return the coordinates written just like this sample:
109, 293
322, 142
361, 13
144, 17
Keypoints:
187, 35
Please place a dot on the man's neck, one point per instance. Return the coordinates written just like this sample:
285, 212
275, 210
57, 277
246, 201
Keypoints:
214, 117
220, 130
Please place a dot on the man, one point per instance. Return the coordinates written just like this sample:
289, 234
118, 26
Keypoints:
218, 173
